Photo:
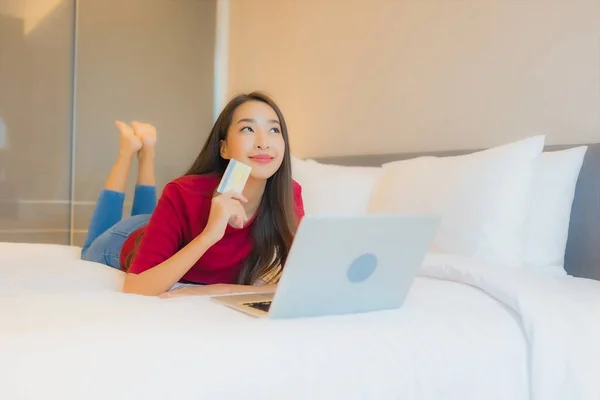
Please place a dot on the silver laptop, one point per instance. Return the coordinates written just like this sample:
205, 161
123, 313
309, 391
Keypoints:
345, 264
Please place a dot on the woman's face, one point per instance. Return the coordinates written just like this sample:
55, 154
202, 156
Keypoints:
255, 139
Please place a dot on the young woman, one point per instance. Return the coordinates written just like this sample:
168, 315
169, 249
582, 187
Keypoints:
226, 242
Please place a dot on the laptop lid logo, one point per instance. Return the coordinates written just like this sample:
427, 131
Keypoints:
362, 268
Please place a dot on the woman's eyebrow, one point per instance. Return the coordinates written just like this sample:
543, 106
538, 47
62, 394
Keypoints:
253, 121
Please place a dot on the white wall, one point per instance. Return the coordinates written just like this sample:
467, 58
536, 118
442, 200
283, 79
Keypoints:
360, 76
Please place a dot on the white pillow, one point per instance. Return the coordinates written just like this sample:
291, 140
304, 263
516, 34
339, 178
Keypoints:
552, 196
483, 198
334, 189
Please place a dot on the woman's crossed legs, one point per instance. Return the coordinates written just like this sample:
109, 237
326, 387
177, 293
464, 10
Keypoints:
108, 230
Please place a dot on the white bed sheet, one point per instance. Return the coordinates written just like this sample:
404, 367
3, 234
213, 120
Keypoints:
465, 332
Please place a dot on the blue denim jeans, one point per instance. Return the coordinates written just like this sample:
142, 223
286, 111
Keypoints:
108, 229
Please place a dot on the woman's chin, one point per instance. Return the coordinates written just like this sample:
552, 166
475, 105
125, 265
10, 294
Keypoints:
257, 176
262, 172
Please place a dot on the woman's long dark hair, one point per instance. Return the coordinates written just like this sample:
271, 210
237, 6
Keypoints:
275, 224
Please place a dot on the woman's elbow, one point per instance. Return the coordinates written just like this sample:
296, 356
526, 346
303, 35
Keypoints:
127, 286
130, 285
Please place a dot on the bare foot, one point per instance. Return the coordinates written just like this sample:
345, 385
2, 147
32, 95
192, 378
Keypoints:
129, 143
147, 134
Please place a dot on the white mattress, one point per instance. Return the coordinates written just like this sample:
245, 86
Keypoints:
467, 331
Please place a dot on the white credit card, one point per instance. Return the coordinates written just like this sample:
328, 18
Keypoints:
235, 177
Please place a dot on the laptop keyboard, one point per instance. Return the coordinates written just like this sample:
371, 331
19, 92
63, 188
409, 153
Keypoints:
261, 305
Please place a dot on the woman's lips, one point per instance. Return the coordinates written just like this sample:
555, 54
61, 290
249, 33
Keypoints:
262, 159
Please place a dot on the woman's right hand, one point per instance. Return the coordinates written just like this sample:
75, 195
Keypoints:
225, 209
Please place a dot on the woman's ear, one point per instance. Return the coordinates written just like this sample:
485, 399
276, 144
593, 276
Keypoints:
223, 149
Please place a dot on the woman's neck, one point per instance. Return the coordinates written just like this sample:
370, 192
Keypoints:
253, 192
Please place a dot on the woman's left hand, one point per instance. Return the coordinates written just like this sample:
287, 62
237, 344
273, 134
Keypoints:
216, 289
198, 290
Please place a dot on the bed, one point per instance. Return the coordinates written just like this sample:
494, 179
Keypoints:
468, 330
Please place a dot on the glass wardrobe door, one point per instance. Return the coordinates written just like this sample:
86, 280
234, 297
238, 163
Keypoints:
36, 85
